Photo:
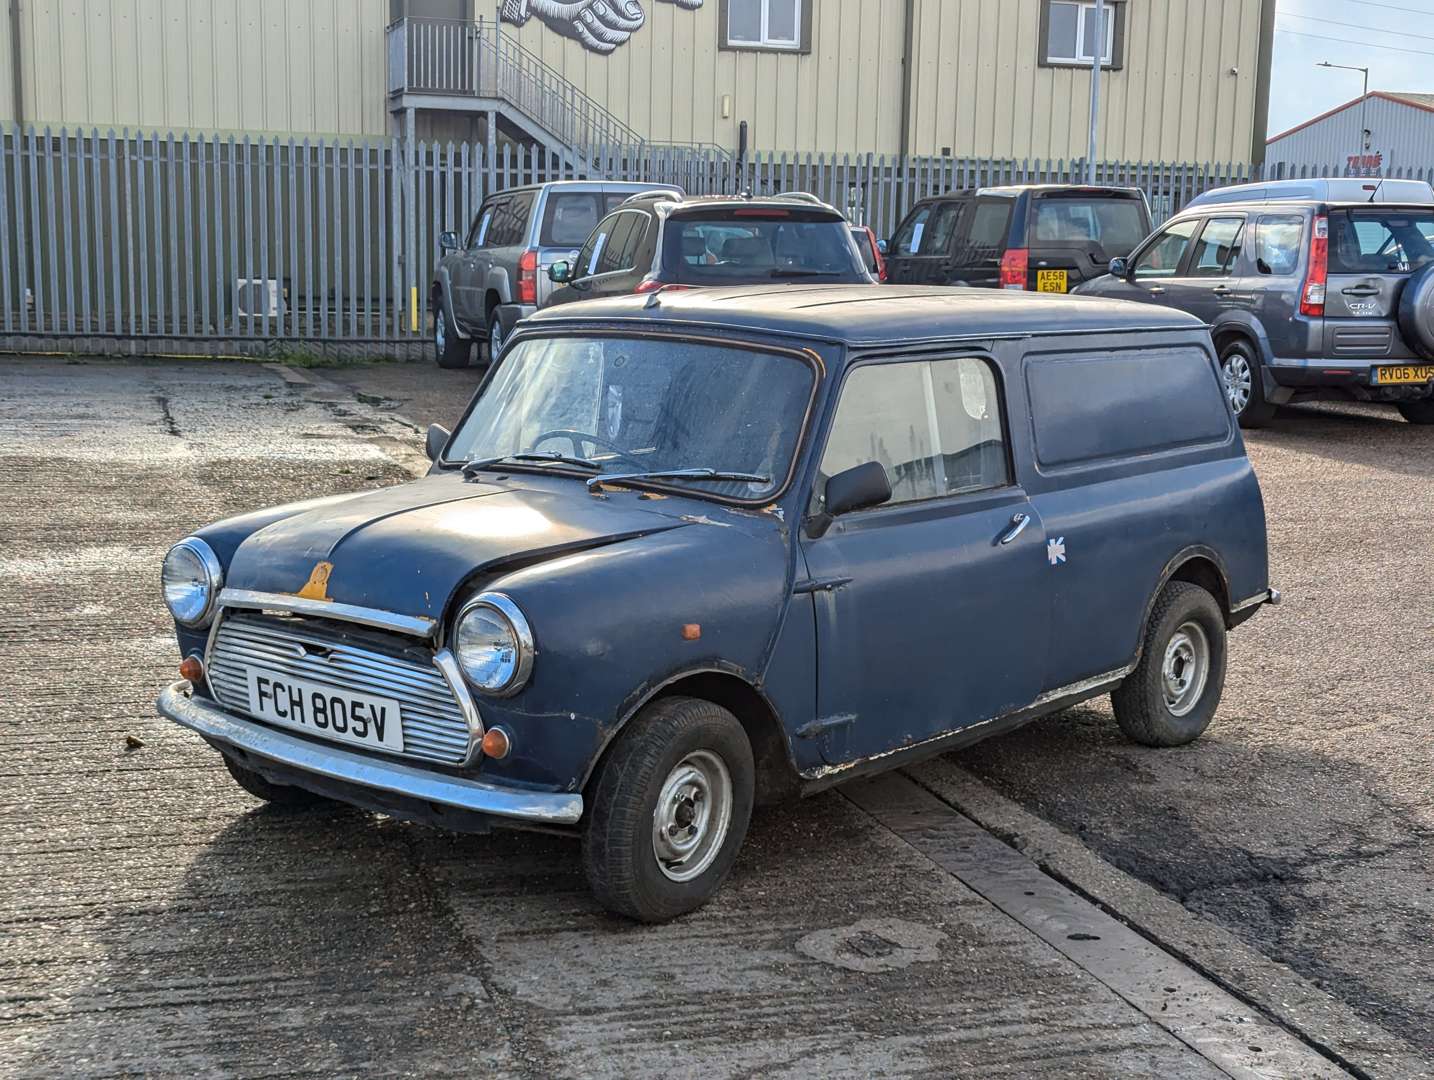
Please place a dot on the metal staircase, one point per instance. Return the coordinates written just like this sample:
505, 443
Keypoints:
475, 67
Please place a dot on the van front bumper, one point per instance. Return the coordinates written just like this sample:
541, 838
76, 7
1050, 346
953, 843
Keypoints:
380, 782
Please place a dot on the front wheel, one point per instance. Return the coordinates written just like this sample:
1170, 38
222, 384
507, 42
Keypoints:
280, 795
1418, 412
1244, 384
669, 810
1171, 696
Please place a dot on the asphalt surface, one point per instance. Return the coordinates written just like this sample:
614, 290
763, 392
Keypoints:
1303, 821
155, 920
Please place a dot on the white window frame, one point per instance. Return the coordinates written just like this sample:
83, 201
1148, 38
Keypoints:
767, 41
1085, 9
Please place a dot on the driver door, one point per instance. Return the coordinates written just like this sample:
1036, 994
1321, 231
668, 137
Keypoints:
931, 608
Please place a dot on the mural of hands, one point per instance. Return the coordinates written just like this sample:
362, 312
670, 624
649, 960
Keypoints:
601, 25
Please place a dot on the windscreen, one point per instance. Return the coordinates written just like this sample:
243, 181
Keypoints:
1380, 241
1117, 225
743, 245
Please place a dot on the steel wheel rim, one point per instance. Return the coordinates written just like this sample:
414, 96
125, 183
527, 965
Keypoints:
693, 814
1239, 380
1185, 669
440, 333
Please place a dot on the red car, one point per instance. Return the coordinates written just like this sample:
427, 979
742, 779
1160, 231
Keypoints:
870, 248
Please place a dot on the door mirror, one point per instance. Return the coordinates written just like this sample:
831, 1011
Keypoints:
882, 246
560, 273
857, 488
436, 441
1119, 268
447, 242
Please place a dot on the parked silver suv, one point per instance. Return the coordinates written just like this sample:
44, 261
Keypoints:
1305, 298
515, 236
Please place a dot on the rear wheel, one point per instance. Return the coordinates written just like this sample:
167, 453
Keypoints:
495, 336
450, 350
1171, 696
1418, 412
1244, 384
282, 795
669, 810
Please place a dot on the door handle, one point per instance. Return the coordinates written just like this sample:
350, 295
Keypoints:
1222, 290
1017, 526
1360, 290
1156, 290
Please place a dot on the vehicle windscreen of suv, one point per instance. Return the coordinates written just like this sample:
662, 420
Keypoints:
736, 245
1380, 241
1117, 225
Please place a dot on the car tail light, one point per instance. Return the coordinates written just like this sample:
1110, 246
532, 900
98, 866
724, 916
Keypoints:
876, 252
1312, 295
1015, 265
652, 284
528, 277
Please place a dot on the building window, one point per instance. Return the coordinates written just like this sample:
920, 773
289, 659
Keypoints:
1069, 35
766, 24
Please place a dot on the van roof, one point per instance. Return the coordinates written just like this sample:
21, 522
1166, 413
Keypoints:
1320, 189
873, 314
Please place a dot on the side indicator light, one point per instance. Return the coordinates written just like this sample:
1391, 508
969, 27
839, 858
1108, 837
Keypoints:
192, 668
496, 743
691, 631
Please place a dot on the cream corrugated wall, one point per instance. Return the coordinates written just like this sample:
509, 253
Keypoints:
206, 65
979, 89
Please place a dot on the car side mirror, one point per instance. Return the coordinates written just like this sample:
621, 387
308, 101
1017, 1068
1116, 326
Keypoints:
447, 242
436, 441
882, 246
1119, 268
560, 273
857, 488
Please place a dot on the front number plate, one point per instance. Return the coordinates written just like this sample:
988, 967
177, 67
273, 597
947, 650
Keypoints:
1050, 281
1403, 374
325, 711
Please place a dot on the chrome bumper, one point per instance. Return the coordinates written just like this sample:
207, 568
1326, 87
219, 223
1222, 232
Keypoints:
336, 763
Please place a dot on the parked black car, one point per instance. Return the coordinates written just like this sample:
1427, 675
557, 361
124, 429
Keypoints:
1041, 237
1306, 298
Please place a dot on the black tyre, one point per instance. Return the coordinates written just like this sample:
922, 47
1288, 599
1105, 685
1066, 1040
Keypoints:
1244, 384
495, 336
1418, 412
1171, 696
1416, 311
281, 795
668, 810
450, 350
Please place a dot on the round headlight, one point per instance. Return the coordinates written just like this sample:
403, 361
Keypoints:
493, 644
192, 578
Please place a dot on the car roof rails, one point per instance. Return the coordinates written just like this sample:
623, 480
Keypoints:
799, 196
660, 194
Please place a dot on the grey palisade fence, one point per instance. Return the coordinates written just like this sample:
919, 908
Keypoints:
145, 243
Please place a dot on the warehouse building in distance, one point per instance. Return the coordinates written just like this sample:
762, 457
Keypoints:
1381, 131
1184, 80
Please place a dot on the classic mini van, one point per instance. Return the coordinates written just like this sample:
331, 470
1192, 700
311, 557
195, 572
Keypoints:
698, 549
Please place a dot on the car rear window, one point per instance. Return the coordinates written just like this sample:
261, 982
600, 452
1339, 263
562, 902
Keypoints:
1165, 398
570, 217
745, 244
1117, 225
1380, 241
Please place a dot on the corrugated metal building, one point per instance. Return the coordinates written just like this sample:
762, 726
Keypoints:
1398, 133
1186, 80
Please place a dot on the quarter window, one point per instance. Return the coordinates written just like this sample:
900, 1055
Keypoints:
1219, 247
989, 223
1070, 34
510, 221
1162, 258
1277, 244
764, 24
934, 425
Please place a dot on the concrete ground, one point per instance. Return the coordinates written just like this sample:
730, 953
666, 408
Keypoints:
154, 919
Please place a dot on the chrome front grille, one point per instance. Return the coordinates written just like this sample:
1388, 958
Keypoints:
433, 724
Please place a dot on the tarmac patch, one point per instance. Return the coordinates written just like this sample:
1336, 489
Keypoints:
873, 945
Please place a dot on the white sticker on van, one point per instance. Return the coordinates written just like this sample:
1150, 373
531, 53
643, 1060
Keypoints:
1056, 550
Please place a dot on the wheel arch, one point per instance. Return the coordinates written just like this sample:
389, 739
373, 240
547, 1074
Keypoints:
1241, 327
776, 771
1198, 565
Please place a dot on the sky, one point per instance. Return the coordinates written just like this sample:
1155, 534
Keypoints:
1393, 38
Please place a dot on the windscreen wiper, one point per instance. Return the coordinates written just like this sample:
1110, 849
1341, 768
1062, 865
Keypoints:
797, 272
679, 474
477, 465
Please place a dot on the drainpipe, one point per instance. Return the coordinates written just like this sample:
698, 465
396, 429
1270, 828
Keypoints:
16, 75
906, 78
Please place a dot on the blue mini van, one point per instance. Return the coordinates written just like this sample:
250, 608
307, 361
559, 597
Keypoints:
693, 550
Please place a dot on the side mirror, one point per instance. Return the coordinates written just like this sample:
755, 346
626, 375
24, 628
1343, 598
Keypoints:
881, 246
1119, 268
560, 273
855, 489
436, 441
447, 242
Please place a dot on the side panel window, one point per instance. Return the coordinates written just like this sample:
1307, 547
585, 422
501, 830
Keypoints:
988, 223
1175, 393
482, 226
1162, 257
1277, 243
1219, 247
934, 425
908, 238
510, 221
